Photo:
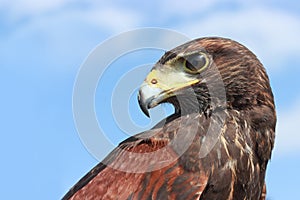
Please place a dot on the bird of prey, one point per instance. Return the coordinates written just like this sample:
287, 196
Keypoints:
216, 145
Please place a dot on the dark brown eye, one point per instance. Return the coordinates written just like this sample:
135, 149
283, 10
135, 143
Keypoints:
195, 63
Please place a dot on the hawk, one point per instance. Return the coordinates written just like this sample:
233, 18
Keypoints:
216, 145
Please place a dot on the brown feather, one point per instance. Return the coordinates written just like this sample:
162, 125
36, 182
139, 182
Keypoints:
166, 163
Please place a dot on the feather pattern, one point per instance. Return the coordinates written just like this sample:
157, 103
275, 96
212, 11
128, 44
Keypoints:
207, 149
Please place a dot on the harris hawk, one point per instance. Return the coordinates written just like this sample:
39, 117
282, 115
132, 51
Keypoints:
216, 145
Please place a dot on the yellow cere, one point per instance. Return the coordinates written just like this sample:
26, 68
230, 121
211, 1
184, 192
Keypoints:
169, 79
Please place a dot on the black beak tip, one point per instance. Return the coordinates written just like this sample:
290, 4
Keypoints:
145, 111
143, 105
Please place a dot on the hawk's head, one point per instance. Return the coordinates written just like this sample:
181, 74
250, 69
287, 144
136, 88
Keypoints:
206, 74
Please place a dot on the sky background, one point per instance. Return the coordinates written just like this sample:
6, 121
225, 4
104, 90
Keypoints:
44, 43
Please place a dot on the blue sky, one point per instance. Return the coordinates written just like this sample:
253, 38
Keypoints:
44, 43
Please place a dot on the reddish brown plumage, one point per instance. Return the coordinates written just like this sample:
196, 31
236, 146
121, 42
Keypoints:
166, 162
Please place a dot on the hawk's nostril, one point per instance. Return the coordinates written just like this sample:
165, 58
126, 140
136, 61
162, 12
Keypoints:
154, 81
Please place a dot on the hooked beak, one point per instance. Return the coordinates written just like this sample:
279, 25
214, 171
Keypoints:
149, 97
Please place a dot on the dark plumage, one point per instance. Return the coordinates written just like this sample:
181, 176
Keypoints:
216, 145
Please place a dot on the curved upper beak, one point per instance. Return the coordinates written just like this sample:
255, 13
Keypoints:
149, 97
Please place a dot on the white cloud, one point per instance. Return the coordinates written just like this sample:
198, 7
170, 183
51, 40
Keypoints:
287, 133
99, 14
114, 18
109, 17
272, 34
187, 7
19, 8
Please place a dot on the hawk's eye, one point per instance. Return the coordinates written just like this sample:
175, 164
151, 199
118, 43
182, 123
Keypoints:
195, 63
